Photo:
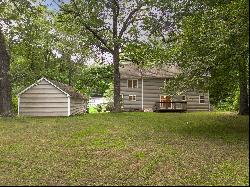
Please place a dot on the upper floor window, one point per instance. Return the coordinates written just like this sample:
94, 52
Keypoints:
183, 98
201, 99
133, 83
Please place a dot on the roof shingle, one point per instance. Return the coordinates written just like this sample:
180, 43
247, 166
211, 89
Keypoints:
133, 71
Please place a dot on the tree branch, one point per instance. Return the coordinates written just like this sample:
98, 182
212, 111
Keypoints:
96, 35
87, 27
128, 20
117, 7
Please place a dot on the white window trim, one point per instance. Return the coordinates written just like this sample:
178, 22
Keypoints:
201, 99
68, 105
132, 97
132, 83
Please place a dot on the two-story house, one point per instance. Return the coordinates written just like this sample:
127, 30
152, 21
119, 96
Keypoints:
141, 89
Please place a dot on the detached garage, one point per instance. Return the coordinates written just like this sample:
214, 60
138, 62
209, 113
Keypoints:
50, 98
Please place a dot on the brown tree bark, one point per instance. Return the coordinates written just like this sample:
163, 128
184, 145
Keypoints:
117, 107
116, 59
243, 79
5, 88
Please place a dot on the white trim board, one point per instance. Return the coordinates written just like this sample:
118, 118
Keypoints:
37, 82
68, 105
18, 106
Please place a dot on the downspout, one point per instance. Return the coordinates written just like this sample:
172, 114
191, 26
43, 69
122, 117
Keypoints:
142, 98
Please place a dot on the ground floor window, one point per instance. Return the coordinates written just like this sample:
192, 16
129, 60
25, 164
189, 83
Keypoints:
183, 98
132, 97
201, 99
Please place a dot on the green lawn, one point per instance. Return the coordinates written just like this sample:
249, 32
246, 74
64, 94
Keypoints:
125, 149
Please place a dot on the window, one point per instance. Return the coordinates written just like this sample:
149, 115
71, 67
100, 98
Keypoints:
201, 99
183, 98
132, 84
132, 97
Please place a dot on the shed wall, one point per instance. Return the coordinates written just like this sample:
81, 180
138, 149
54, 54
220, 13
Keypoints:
77, 106
43, 100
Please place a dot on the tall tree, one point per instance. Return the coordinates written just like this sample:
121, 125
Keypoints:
110, 25
213, 52
5, 88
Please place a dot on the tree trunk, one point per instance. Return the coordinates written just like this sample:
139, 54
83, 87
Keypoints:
116, 59
117, 106
243, 78
5, 88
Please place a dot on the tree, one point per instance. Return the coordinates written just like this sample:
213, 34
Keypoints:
213, 52
110, 26
5, 88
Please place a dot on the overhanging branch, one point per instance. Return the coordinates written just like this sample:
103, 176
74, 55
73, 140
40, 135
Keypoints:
88, 28
129, 20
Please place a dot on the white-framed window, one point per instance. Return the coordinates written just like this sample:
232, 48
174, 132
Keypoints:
201, 99
183, 98
132, 97
132, 83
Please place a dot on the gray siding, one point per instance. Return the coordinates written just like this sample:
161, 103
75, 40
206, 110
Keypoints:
43, 100
131, 91
152, 92
193, 102
77, 106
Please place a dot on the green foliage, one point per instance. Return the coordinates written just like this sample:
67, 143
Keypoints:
109, 93
42, 46
99, 108
213, 50
15, 104
94, 80
92, 109
230, 103
109, 107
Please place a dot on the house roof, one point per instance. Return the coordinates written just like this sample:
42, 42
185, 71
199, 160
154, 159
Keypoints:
69, 91
133, 71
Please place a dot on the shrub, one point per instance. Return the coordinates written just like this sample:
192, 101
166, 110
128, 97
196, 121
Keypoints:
109, 107
99, 108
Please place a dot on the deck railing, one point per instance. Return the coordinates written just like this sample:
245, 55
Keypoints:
171, 106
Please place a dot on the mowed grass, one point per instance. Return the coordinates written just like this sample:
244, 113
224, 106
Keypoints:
125, 149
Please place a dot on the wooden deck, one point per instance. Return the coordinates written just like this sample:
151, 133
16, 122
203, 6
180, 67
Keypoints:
173, 106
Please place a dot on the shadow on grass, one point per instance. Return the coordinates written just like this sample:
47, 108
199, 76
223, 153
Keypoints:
229, 128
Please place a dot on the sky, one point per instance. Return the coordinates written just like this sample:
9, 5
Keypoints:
52, 5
